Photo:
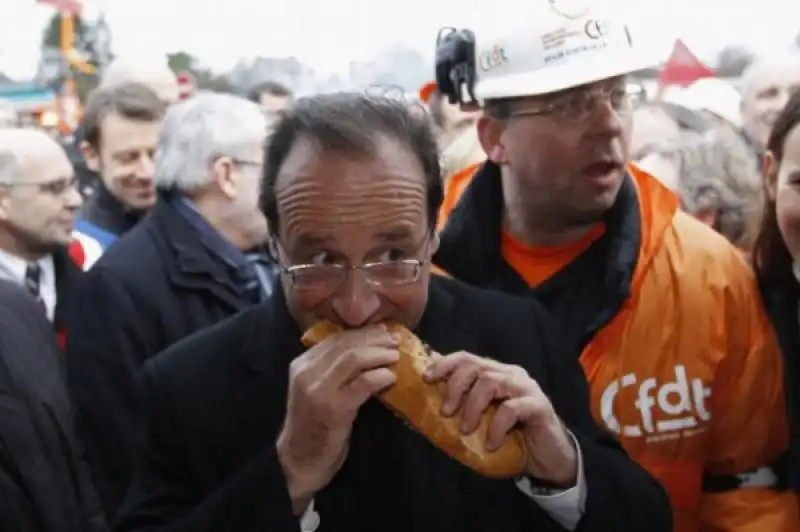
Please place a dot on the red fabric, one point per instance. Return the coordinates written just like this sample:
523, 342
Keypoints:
76, 253
683, 68
68, 6
61, 340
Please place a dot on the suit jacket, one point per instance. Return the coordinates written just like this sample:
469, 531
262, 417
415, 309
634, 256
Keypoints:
44, 482
215, 404
156, 285
68, 274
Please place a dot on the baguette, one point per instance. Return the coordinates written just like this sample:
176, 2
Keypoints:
420, 405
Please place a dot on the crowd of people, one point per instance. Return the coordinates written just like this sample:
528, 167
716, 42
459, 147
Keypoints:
609, 282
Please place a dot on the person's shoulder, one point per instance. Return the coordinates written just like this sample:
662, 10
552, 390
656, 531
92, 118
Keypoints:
489, 309
132, 253
211, 351
14, 298
705, 250
19, 312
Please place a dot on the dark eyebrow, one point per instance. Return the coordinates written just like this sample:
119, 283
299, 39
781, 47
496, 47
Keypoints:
394, 235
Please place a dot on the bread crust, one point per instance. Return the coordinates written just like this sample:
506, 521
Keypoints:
420, 405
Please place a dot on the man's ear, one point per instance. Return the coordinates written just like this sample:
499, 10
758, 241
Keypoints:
770, 169
226, 177
490, 135
434, 243
91, 156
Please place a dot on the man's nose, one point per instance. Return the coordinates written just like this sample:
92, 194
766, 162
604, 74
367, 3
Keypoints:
606, 119
356, 302
145, 169
73, 199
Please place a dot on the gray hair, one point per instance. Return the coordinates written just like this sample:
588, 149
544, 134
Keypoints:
761, 65
717, 174
199, 131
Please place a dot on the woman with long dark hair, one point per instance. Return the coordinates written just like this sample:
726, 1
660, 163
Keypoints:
776, 257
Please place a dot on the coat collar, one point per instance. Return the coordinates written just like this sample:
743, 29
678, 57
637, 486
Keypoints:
193, 267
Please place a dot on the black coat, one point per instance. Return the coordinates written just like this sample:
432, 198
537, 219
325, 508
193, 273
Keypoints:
68, 275
782, 300
44, 483
154, 286
215, 403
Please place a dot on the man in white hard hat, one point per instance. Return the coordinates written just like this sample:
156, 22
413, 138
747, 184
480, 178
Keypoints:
662, 312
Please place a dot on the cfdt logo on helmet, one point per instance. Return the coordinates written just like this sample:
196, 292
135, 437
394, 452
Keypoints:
493, 58
571, 9
597, 29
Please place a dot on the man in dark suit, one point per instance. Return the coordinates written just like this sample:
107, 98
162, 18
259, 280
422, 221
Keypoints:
39, 203
180, 270
44, 483
246, 430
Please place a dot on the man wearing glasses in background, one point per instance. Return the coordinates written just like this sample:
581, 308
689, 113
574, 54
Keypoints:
186, 266
39, 202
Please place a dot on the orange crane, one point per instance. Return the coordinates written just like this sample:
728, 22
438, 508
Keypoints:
68, 106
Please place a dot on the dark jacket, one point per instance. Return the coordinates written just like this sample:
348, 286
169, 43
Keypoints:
102, 221
44, 483
155, 286
68, 275
782, 300
215, 403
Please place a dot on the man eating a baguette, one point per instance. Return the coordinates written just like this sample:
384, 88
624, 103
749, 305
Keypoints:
369, 395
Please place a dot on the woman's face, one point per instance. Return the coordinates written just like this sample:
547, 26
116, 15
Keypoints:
784, 187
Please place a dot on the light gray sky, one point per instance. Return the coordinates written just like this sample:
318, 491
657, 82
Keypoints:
327, 34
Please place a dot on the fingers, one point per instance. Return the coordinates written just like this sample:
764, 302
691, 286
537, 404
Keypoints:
533, 409
461, 381
508, 414
368, 384
352, 363
371, 336
486, 390
442, 367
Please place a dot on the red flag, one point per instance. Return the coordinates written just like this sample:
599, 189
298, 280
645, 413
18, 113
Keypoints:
67, 6
683, 68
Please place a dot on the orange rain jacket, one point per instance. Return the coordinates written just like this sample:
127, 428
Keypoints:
687, 371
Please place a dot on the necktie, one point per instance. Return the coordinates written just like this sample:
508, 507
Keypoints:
33, 278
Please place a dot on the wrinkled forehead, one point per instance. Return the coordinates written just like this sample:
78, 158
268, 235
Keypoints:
320, 190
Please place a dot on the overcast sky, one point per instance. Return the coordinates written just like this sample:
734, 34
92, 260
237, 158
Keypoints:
329, 33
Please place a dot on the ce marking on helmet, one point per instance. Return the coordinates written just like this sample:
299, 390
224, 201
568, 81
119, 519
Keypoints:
596, 29
492, 58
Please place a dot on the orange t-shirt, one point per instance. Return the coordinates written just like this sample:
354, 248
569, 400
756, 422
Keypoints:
536, 264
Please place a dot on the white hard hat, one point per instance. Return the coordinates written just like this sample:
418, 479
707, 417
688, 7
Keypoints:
563, 44
715, 96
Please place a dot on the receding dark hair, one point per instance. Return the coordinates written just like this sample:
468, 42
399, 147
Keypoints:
771, 257
133, 101
352, 123
273, 88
